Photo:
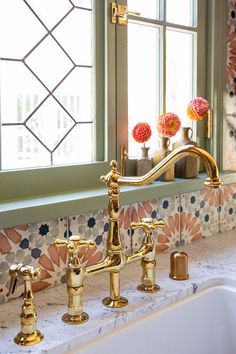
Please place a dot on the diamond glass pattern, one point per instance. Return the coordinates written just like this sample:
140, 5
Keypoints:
75, 35
23, 150
50, 123
21, 92
16, 39
75, 94
77, 146
49, 62
83, 3
50, 12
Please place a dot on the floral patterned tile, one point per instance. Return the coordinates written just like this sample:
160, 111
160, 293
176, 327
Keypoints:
227, 207
32, 245
199, 215
125, 232
14, 248
166, 209
44, 254
90, 226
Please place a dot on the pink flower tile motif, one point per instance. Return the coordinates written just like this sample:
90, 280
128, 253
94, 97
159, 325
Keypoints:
199, 215
164, 208
228, 207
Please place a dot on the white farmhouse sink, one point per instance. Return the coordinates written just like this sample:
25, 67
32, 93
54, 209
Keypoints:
204, 323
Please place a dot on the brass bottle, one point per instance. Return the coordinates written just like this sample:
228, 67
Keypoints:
187, 167
159, 155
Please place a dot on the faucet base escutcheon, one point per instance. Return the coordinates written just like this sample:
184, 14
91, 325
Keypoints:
148, 289
109, 302
27, 339
77, 319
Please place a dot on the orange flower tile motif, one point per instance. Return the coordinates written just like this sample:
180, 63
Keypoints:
164, 208
169, 233
190, 228
226, 194
52, 263
210, 196
10, 237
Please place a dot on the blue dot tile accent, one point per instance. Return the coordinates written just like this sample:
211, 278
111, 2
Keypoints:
98, 240
106, 227
197, 213
154, 214
165, 204
180, 209
207, 218
67, 233
24, 243
91, 222
202, 204
192, 199
231, 211
43, 230
35, 253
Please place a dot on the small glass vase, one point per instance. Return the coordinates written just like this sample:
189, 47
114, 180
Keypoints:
159, 155
187, 167
144, 164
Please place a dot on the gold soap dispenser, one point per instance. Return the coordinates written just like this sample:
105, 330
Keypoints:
28, 334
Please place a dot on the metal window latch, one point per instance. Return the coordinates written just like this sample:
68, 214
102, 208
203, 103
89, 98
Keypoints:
119, 14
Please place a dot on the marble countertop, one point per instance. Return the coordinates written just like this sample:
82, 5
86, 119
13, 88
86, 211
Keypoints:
212, 261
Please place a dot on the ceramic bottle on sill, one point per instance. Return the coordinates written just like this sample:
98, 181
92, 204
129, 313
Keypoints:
159, 155
144, 164
187, 167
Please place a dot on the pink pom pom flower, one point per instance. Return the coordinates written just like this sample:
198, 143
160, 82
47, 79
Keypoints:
168, 124
197, 108
142, 132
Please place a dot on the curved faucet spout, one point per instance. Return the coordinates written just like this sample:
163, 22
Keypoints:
212, 181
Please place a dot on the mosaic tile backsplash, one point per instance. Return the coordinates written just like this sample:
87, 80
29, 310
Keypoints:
188, 217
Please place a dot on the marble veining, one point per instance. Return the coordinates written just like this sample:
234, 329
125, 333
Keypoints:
212, 261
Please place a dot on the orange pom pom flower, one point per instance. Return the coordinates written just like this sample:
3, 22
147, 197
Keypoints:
168, 124
197, 108
142, 132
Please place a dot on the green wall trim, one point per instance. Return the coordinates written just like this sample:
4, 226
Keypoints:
30, 210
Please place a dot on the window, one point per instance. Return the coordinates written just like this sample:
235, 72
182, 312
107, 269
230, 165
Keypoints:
162, 62
47, 83
73, 84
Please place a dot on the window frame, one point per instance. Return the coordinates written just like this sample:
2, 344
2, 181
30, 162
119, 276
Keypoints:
63, 191
24, 183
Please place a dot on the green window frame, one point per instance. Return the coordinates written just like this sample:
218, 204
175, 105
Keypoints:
40, 194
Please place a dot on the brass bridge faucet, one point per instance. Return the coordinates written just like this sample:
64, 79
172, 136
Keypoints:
115, 258
29, 334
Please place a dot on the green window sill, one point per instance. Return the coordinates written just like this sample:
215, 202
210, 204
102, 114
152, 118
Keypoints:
23, 211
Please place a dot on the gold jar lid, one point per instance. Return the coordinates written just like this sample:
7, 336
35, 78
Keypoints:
179, 266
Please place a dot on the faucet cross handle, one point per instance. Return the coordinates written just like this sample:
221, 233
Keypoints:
73, 246
148, 225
